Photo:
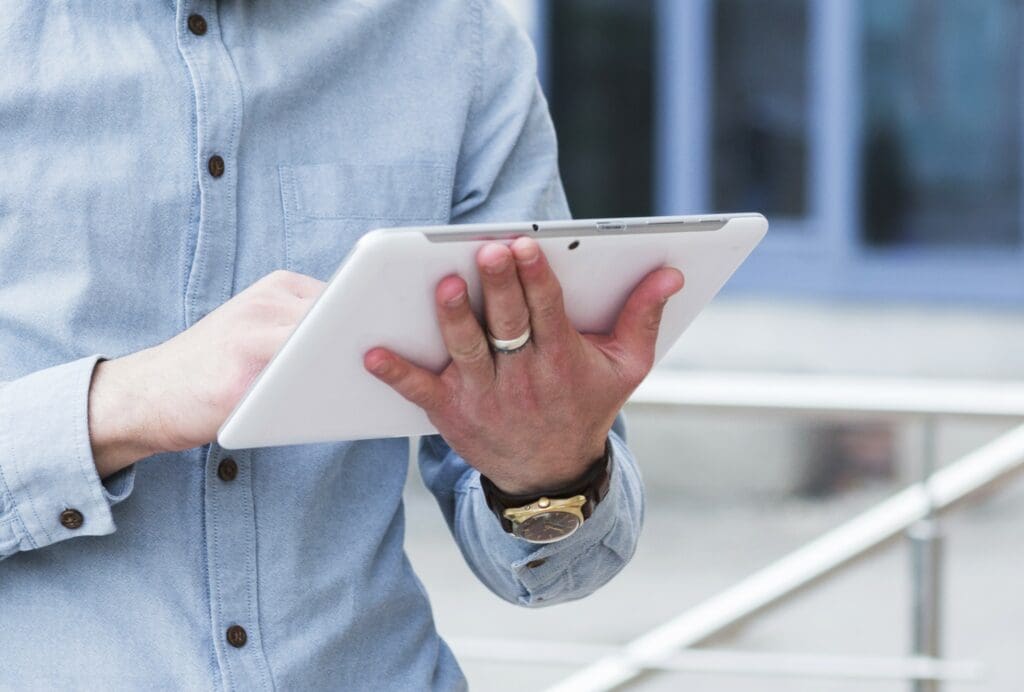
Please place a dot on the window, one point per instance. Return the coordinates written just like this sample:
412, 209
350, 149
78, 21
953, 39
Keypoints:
884, 139
760, 106
941, 114
600, 55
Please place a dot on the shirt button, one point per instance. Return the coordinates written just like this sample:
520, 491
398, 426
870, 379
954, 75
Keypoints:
227, 470
72, 519
216, 166
197, 24
237, 636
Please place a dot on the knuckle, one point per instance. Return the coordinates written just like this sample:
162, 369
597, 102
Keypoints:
510, 326
280, 277
448, 404
550, 304
289, 281
549, 309
419, 394
651, 322
261, 307
471, 350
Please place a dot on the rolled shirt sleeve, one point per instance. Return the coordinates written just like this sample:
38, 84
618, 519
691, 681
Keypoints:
46, 462
531, 574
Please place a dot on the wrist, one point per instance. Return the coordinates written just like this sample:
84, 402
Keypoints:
118, 416
556, 476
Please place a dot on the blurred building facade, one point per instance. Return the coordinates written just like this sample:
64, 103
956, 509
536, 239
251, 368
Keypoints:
883, 139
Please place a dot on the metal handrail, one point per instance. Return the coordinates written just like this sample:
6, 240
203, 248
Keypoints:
728, 662
832, 395
814, 395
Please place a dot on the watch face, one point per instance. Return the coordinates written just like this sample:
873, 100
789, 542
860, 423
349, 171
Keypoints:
548, 527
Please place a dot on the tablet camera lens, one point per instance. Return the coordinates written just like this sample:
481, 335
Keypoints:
574, 244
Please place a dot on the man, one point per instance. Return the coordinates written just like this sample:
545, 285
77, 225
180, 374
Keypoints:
159, 158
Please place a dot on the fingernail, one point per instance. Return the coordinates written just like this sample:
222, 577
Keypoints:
381, 367
675, 284
526, 253
497, 267
455, 299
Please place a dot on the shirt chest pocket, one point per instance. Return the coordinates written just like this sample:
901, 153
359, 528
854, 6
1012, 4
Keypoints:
329, 206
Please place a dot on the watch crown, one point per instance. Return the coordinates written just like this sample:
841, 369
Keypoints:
544, 503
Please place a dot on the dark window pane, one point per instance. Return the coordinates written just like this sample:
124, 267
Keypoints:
941, 122
760, 106
600, 54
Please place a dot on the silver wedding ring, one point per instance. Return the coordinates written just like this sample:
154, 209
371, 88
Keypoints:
509, 345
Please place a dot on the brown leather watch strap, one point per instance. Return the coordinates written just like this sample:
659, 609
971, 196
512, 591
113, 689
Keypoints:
593, 485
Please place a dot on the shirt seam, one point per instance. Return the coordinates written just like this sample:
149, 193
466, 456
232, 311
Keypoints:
215, 543
250, 555
199, 273
478, 70
288, 202
237, 116
194, 201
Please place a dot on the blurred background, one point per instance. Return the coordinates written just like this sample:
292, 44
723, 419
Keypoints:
884, 141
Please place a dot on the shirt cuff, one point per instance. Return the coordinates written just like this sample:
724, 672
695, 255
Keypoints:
602, 545
46, 462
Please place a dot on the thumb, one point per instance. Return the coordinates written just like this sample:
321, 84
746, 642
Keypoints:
636, 329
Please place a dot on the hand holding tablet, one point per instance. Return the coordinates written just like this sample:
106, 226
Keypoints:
530, 403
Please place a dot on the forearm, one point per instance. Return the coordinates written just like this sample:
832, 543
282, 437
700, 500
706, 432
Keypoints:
174, 396
122, 429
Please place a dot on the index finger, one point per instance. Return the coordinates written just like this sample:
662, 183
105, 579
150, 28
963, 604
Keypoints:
543, 293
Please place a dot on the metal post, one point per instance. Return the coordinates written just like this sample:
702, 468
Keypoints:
926, 555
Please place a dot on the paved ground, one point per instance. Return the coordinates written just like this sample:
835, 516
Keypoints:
691, 549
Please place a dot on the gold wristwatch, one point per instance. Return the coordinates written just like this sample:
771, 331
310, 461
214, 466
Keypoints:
555, 515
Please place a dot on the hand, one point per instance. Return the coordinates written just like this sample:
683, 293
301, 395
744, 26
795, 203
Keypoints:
176, 395
532, 420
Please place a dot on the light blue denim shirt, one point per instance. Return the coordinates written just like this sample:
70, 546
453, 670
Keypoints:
332, 118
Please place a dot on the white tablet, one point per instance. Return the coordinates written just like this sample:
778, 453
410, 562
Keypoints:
316, 389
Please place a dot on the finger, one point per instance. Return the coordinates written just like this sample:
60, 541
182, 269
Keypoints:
636, 329
543, 294
505, 308
415, 384
462, 334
